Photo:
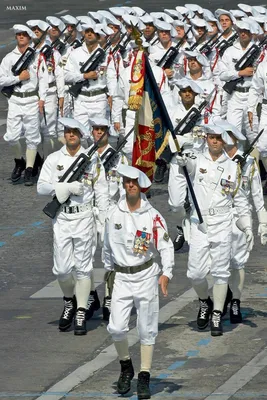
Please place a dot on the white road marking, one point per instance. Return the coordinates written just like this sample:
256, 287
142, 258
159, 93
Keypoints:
241, 378
61, 12
109, 354
52, 290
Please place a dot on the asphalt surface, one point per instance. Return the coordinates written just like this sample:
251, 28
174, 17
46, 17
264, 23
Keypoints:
35, 358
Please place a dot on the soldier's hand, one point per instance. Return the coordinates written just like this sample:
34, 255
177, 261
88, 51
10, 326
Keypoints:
169, 72
24, 75
41, 106
61, 105
117, 126
250, 119
249, 71
90, 75
163, 282
110, 101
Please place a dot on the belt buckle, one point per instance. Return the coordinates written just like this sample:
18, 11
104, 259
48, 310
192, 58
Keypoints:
23, 95
211, 211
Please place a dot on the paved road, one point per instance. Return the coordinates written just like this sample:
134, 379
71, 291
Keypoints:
36, 358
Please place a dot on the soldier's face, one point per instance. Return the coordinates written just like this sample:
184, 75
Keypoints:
225, 22
215, 144
200, 30
54, 32
180, 31
244, 37
72, 137
90, 36
149, 30
132, 188
214, 27
37, 31
187, 95
99, 131
194, 66
164, 36
23, 38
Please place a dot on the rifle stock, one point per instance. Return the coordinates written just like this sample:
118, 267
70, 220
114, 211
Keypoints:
242, 159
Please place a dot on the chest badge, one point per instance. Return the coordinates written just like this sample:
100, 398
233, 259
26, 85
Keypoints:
118, 226
141, 242
202, 170
60, 167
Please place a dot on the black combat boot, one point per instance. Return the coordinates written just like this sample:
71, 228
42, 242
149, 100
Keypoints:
106, 308
37, 166
205, 310
179, 239
235, 313
28, 177
80, 322
228, 299
143, 391
93, 304
20, 165
160, 170
216, 328
127, 374
68, 313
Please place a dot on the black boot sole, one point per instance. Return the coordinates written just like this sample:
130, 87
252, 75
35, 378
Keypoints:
201, 328
236, 321
80, 333
65, 328
28, 183
216, 333
143, 396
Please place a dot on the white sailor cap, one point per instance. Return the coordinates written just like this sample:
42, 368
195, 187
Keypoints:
221, 11
185, 83
113, 20
182, 10
173, 13
194, 8
97, 17
165, 26
147, 19
245, 7
230, 128
99, 121
42, 25
259, 9
54, 21
245, 25
73, 123
200, 23
139, 12
209, 16
238, 13
84, 19
134, 173
117, 11
89, 25
128, 10
162, 16
70, 20
18, 28
260, 19
132, 19
106, 14
198, 56
103, 30
218, 130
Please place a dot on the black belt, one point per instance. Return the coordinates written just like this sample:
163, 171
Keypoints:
94, 92
264, 101
241, 89
52, 84
133, 269
25, 94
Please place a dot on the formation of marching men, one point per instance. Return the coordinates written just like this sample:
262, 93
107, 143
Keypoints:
69, 87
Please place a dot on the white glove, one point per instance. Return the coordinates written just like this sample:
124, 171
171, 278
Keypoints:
249, 239
262, 230
76, 188
62, 191
181, 160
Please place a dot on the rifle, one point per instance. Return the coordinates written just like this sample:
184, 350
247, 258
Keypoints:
47, 49
111, 156
226, 43
247, 60
194, 46
209, 46
122, 47
90, 65
242, 159
77, 43
168, 59
190, 119
22, 64
77, 168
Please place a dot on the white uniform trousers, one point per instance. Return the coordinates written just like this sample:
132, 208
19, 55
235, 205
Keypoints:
23, 118
49, 127
89, 107
210, 252
144, 296
129, 124
73, 246
262, 142
239, 253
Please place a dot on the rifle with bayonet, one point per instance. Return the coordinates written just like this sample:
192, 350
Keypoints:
90, 65
224, 44
169, 57
247, 60
57, 44
76, 170
207, 48
190, 119
199, 40
111, 156
22, 64
77, 43
242, 159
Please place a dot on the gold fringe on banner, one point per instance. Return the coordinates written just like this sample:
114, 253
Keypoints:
137, 82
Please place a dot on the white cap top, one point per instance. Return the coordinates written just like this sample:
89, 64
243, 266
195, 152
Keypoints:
103, 29
200, 23
182, 10
221, 11
73, 123
260, 9
217, 130
194, 8
162, 16
245, 7
232, 128
208, 15
70, 20
18, 28
147, 19
105, 13
134, 173
245, 25
37, 22
89, 25
84, 19
165, 26
97, 17
238, 13
132, 19
173, 13
113, 21
185, 83
98, 121
138, 11
199, 57
117, 11
54, 21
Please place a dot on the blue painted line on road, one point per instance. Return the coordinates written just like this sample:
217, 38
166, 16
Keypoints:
177, 364
192, 353
2, 46
2, 244
203, 342
37, 223
19, 233
162, 376
261, 295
